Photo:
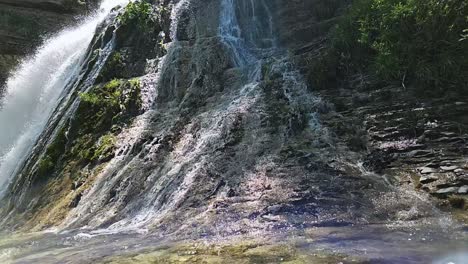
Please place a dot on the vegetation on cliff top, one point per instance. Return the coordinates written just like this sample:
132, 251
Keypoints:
420, 44
138, 14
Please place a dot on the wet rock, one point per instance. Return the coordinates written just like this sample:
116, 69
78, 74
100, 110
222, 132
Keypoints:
457, 201
448, 168
420, 153
426, 170
446, 191
463, 180
428, 179
76, 184
463, 190
74, 203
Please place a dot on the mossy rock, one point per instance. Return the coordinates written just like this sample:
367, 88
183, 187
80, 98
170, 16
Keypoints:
114, 68
90, 137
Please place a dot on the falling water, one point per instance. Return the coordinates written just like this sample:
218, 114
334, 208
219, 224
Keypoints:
230, 33
252, 42
255, 34
35, 89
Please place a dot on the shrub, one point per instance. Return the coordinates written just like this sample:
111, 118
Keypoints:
419, 42
137, 13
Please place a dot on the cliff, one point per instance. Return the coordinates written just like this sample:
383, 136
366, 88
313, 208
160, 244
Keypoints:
25, 23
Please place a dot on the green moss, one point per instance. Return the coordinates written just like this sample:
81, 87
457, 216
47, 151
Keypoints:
82, 148
99, 106
101, 114
89, 98
104, 150
104, 109
112, 85
113, 68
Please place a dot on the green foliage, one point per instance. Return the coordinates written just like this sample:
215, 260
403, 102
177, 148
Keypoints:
105, 147
416, 41
107, 105
102, 110
20, 24
137, 13
89, 98
325, 9
82, 148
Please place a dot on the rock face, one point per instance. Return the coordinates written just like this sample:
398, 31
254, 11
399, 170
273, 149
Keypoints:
24, 23
419, 143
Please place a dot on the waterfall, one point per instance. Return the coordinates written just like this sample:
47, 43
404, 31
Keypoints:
255, 34
161, 191
35, 89
230, 33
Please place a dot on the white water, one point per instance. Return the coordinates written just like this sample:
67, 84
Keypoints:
34, 90
230, 33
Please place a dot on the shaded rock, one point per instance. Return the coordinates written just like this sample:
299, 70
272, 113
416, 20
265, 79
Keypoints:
428, 179
74, 203
426, 170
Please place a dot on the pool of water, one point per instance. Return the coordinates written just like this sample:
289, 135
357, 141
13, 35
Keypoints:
353, 244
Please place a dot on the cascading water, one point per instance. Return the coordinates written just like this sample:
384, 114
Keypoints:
167, 184
252, 43
253, 36
153, 204
34, 90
